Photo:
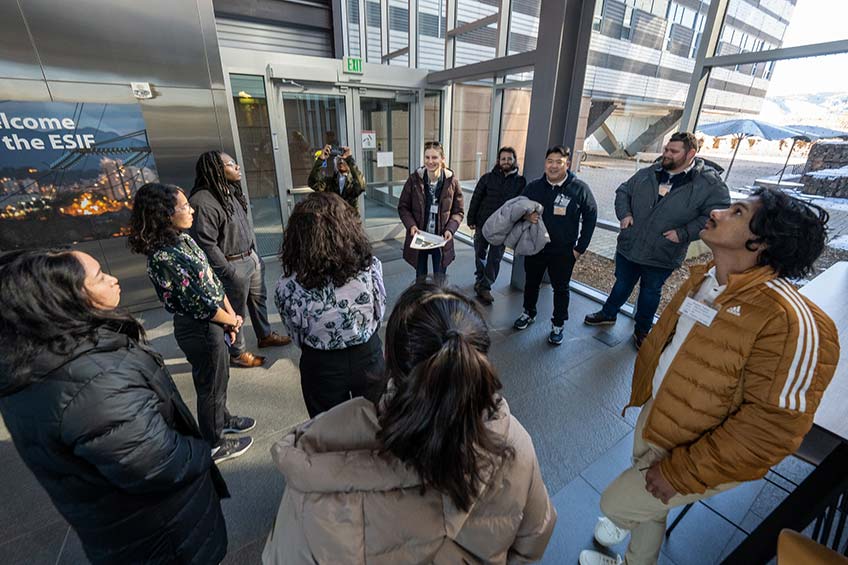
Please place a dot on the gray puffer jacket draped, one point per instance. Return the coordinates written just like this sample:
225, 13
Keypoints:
507, 226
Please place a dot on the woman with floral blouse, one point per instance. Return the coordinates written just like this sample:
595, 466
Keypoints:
331, 298
203, 316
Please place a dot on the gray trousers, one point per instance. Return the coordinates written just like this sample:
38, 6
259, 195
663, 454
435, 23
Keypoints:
487, 261
247, 292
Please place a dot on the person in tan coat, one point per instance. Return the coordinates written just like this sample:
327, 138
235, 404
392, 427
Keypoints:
730, 378
438, 471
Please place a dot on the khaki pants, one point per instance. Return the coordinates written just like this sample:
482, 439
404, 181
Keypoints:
630, 506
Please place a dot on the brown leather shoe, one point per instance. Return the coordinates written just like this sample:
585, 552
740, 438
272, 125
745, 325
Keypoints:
274, 339
246, 360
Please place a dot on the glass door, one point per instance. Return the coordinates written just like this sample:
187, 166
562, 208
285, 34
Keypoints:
312, 118
385, 149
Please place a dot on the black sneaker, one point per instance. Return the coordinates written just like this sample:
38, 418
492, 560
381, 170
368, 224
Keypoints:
524, 321
556, 335
239, 425
231, 448
598, 319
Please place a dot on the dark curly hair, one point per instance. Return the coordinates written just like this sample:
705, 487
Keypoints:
324, 242
150, 224
46, 308
794, 232
444, 390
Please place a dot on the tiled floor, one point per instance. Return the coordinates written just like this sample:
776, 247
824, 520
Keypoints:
569, 399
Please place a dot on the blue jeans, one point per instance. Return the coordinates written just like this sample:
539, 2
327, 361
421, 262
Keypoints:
421, 268
651, 280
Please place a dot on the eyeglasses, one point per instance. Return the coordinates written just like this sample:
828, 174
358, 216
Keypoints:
184, 208
231, 163
432, 145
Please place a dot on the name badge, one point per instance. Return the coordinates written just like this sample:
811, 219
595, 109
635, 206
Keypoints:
434, 208
665, 188
559, 210
698, 311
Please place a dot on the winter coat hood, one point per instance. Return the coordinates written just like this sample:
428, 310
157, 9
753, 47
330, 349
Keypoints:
334, 467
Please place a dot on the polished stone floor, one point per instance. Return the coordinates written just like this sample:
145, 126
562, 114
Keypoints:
569, 398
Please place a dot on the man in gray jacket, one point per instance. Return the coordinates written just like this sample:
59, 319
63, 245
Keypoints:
661, 209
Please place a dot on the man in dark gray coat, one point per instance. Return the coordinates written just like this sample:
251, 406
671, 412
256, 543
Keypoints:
493, 189
661, 209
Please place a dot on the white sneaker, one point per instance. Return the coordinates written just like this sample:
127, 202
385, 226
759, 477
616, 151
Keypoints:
589, 557
608, 534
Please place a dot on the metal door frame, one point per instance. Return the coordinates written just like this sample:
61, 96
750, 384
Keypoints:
284, 172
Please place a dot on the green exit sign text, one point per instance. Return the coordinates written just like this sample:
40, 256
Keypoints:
353, 65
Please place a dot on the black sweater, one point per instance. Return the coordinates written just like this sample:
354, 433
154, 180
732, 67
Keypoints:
564, 229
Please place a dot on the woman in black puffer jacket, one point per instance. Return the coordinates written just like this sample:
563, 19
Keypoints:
96, 417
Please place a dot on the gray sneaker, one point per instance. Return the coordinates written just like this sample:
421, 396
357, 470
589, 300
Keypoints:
231, 448
524, 321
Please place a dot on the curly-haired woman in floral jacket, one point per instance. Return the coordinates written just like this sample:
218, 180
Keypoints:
331, 298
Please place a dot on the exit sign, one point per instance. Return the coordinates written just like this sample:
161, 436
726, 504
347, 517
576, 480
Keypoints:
353, 65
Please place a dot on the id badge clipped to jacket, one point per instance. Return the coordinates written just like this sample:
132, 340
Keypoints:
561, 204
665, 188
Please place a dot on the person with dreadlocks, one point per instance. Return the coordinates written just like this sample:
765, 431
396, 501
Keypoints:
222, 229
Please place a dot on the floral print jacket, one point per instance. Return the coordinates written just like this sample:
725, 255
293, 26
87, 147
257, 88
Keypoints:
184, 280
331, 317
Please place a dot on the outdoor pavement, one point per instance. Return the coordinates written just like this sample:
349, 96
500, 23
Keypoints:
569, 398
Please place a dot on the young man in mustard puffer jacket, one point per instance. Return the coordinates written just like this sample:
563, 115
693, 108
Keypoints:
730, 378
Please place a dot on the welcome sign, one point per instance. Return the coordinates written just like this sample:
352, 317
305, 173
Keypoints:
69, 171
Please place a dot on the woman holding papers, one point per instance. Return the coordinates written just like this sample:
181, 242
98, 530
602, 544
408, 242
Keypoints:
431, 202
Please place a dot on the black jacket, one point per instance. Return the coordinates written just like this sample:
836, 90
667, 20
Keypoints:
492, 191
564, 229
107, 435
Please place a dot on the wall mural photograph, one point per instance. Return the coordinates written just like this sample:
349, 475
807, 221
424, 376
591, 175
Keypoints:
69, 171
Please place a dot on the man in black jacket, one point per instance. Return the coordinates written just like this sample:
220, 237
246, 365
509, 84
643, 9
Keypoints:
493, 189
567, 201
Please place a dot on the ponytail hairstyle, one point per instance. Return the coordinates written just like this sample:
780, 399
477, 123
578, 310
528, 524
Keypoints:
444, 391
209, 175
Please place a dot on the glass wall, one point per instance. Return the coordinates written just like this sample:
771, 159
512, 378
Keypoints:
373, 31
523, 26
472, 109
432, 26
515, 118
806, 93
257, 160
398, 30
479, 44
354, 48
433, 116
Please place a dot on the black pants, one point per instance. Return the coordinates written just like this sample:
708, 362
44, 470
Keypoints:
330, 377
204, 347
559, 267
